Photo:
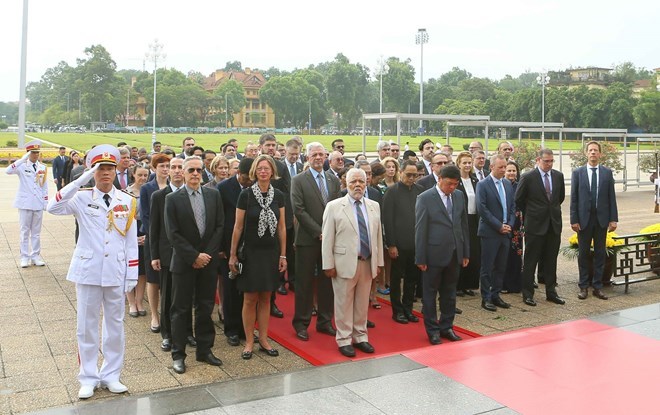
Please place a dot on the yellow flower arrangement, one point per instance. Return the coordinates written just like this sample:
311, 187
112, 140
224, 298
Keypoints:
648, 231
612, 245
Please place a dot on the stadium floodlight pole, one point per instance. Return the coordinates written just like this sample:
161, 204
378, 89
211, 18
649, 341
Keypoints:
543, 79
421, 38
382, 68
21, 100
155, 53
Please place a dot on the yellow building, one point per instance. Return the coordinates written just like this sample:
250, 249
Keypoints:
255, 114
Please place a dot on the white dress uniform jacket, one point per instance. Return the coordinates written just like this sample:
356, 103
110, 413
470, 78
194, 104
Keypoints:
103, 256
32, 192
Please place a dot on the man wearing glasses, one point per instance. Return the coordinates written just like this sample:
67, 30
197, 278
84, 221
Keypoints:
438, 161
539, 196
338, 145
481, 165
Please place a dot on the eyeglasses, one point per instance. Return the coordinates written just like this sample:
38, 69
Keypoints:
548, 161
194, 170
441, 162
411, 174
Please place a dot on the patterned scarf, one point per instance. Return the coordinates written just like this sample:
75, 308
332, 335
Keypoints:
266, 217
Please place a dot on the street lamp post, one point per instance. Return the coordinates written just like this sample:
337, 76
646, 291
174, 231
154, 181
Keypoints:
382, 68
543, 80
155, 53
421, 38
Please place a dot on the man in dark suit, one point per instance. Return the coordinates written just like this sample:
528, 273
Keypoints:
442, 244
58, 167
593, 213
481, 165
399, 222
338, 145
427, 149
495, 204
123, 179
186, 147
295, 167
539, 196
310, 192
232, 299
438, 161
194, 218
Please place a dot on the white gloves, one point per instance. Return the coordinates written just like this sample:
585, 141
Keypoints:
23, 159
129, 285
86, 176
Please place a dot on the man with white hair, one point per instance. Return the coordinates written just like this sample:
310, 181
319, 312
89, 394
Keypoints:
311, 191
336, 161
384, 150
352, 248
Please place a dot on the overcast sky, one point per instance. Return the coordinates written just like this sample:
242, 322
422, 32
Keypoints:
487, 38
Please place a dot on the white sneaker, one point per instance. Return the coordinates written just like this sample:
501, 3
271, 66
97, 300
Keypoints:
86, 391
38, 261
25, 262
116, 387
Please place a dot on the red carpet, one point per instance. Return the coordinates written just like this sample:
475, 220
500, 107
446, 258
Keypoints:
388, 337
580, 367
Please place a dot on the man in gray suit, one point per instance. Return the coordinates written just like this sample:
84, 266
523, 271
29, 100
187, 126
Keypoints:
442, 244
593, 214
310, 193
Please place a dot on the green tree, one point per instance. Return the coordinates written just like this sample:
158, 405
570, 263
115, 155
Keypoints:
647, 111
345, 83
233, 66
398, 85
627, 73
229, 97
453, 77
103, 90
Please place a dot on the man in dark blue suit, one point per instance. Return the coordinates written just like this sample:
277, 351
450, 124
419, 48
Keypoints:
593, 214
442, 244
495, 204
232, 299
58, 167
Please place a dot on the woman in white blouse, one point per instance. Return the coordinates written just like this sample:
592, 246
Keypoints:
468, 279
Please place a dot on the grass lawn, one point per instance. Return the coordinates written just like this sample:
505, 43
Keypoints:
83, 142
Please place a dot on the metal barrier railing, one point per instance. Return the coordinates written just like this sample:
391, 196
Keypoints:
640, 254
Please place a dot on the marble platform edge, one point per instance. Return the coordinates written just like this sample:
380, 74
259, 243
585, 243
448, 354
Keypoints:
202, 397
629, 316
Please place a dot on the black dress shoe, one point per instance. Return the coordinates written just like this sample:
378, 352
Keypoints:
302, 335
292, 287
450, 335
400, 318
487, 305
365, 347
233, 340
347, 351
599, 294
327, 330
191, 341
583, 294
370, 324
434, 339
498, 302
458, 311
166, 345
179, 366
412, 318
282, 290
556, 299
276, 312
210, 359
536, 285
529, 301
460, 293
270, 352
470, 293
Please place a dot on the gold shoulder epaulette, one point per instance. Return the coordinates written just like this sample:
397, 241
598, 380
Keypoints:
128, 193
85, 188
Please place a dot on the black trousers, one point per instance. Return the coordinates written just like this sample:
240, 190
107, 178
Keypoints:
290, 258
442, 281
166, 305
232, 303
194, 287
593, 232
540, 249
403, 268
309, 267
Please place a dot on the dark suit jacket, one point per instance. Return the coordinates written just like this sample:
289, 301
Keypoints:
145, 202
433, 227
182, 230
283, 184
308, 205
229, 190
489, 207
606, 209
428, 181
159, 246
399, 215
460, 187
347, 162
58, 167
540, 214
129, 181
298, 166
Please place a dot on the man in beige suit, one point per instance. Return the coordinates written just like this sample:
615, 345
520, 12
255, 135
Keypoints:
352, 250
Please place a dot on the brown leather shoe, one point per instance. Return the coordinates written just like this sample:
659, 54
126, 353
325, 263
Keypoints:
599, 294
583, 294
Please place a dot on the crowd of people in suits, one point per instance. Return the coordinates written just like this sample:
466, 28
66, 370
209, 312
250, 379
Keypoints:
201, 227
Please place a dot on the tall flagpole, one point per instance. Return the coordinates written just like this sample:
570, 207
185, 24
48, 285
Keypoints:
21, 102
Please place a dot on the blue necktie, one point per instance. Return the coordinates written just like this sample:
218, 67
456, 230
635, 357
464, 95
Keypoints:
292, 170
324, 191
365, 248
500, 190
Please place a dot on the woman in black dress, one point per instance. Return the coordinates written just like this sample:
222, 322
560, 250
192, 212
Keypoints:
468, 279
513, 276
260, 211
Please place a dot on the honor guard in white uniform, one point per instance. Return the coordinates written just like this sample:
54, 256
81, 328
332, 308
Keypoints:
31, 200
104, 266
